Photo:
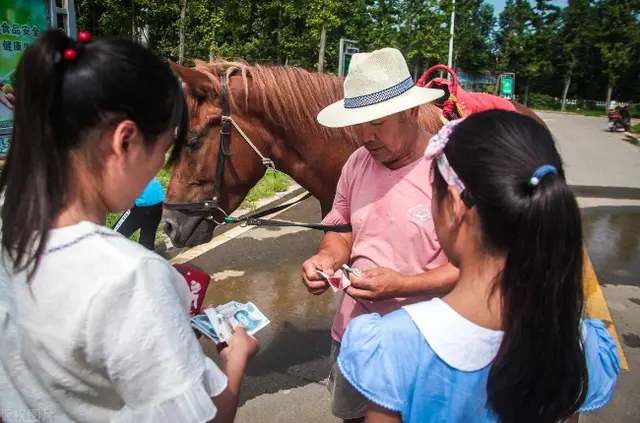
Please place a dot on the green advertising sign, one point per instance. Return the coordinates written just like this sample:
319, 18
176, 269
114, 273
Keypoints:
507, 85
21, 21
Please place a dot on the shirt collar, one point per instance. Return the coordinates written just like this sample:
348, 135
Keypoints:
457, 341
60, 238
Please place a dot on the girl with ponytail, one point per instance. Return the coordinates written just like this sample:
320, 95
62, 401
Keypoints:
508, 344
94, 327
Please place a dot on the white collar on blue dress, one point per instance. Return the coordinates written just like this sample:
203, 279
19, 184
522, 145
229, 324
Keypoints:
458, 342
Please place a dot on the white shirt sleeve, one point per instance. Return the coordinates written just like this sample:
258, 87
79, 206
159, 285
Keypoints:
139, 331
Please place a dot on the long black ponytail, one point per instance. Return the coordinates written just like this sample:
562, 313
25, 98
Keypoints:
540, 373
64, 106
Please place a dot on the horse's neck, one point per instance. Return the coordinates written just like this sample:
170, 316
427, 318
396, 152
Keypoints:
315, 163
310, 156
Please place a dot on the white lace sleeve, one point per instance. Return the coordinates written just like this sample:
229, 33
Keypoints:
139, 331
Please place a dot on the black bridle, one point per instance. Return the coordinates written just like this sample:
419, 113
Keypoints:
208, 207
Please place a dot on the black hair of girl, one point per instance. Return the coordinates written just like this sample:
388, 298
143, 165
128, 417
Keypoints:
64, 106
540, 373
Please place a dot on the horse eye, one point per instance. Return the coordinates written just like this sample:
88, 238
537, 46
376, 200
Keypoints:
192, 137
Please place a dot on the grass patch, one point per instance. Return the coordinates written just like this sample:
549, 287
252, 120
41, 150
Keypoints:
272, 183
635, 128
590, 113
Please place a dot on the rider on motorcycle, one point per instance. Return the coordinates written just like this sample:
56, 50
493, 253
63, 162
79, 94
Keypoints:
623, 109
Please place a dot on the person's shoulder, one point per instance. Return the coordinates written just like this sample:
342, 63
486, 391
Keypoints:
379, 357
97, 250
394, 333
117, 248
458, 342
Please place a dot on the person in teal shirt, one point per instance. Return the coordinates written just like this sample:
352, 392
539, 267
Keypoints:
145, 215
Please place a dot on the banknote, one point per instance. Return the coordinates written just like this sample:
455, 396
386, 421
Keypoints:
353, 271
247, 315
220, 320
202, 323
338, 280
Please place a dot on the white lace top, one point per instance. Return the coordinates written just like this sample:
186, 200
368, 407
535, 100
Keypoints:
101, 334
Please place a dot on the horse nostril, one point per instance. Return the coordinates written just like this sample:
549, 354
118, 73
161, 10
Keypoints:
168, 228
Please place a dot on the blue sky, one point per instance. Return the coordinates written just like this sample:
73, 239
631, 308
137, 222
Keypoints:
498, 5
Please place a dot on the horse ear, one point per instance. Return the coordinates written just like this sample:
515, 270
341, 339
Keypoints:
193, 78
199, 62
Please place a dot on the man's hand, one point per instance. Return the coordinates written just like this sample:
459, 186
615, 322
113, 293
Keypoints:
377, 284
315, 283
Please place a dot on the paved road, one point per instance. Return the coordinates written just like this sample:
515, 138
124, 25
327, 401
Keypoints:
285, 382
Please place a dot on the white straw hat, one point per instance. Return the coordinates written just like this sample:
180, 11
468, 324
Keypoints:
379, 84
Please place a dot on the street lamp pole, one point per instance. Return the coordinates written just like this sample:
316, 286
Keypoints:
453, 19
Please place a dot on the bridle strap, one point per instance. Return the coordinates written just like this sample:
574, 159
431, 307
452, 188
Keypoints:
267, 162
225, 132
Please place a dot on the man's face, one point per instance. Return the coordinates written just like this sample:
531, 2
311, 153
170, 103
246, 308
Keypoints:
384, 137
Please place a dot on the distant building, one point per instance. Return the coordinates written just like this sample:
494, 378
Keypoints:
476, 82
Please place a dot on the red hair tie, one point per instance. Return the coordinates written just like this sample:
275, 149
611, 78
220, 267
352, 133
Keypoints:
84, 37
71, 54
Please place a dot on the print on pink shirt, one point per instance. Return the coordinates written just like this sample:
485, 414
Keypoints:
419, 214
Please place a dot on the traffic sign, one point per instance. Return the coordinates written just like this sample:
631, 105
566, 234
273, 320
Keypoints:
507, 84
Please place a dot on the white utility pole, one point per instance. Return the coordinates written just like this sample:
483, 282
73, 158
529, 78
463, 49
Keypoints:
453, 20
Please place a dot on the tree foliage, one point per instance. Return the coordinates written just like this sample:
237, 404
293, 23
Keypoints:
591, 45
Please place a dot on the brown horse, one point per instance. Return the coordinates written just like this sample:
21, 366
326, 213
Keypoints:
276, 108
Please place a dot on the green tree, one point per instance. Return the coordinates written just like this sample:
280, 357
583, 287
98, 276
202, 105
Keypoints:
423, 35
515, 38
473, 42
322, 17
618, 38
576, 38
541, 45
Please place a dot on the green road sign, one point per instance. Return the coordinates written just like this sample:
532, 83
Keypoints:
347, 62
507, 85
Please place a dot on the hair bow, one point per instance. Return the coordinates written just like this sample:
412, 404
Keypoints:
435, 151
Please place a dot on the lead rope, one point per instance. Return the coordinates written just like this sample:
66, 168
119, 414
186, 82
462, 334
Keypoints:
267, 162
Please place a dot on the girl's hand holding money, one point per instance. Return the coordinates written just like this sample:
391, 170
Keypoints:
241, 346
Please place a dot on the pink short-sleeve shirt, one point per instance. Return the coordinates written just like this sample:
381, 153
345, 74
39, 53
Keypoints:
390, 212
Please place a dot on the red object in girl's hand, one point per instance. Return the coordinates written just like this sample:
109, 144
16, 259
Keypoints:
198, 282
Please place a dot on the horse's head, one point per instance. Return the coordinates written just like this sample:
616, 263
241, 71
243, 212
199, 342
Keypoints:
194, 207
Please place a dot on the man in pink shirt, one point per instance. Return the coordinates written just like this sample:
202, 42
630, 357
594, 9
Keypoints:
384, 192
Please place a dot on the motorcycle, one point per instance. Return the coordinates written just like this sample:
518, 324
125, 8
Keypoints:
616, 121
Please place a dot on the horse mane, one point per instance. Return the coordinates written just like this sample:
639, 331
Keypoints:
287, 96
292, 97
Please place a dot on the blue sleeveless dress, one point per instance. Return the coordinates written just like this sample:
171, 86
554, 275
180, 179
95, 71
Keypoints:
429, 364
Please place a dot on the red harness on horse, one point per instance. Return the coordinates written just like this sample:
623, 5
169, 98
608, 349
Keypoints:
461, 103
